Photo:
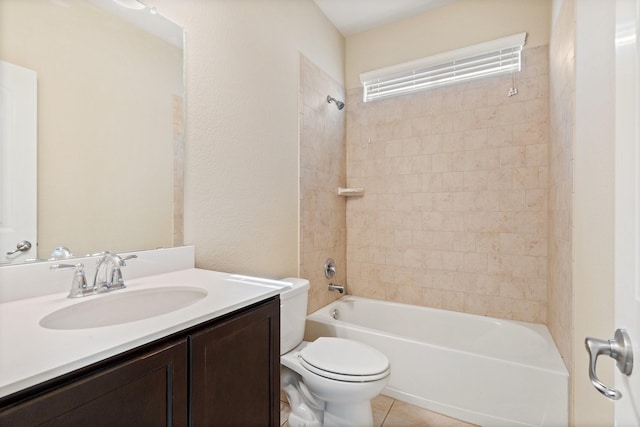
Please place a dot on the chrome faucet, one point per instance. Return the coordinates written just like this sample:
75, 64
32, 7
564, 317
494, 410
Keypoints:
336, 288
79, 286
111, 279
101, 264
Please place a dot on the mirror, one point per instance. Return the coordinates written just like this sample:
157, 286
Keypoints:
110, 97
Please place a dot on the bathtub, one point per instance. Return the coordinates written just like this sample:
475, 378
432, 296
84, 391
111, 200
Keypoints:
482, 370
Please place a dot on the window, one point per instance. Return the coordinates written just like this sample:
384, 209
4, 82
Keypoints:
492, 58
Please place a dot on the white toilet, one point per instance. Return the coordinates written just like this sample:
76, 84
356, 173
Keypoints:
328, 382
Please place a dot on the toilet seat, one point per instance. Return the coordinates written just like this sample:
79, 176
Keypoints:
344, 360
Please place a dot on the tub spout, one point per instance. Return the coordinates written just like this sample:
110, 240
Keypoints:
336, 288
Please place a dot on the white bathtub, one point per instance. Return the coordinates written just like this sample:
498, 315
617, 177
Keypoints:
483, 370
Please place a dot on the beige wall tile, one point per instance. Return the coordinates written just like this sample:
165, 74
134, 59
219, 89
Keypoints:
455, 210
560, 176
322, 169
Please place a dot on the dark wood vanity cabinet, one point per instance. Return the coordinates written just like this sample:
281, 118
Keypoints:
230, 362
148, 390
224, 372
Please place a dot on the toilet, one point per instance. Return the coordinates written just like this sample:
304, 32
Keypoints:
330, 381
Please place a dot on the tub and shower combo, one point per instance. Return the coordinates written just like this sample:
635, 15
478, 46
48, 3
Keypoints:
483, 370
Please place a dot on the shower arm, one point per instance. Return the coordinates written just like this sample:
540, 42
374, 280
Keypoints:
339, 104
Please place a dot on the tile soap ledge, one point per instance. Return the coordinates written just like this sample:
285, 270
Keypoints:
350, 191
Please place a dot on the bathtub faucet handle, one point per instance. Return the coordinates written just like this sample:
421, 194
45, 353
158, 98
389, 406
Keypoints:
336, 288
329, 268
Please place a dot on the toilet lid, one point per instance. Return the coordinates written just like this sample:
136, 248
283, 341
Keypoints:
344, 359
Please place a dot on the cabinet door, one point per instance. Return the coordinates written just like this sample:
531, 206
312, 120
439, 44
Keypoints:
148, 390
236, 370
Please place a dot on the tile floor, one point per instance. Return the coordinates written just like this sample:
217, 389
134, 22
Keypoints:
388, 412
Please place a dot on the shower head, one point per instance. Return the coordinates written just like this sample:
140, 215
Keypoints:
339, 104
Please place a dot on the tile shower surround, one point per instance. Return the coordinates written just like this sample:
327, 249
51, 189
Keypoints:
322, 171
561, 142
455, 213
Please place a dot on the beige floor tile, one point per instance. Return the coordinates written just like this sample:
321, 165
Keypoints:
285, 410
388, 412
404, 415
380, 406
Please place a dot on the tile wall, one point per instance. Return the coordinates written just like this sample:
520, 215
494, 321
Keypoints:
322, 170
456, 195
562, 124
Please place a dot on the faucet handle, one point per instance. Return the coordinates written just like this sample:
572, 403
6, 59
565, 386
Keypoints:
119, 261
117, 281
79, 286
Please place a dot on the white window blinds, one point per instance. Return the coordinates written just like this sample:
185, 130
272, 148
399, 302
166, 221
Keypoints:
482, 60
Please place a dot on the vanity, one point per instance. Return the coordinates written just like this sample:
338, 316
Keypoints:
213, 360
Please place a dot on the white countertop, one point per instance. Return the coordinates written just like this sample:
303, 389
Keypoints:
31, 354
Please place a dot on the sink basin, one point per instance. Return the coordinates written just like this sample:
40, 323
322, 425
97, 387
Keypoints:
117, 308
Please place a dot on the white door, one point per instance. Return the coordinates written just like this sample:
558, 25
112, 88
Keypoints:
627, 305
18, 162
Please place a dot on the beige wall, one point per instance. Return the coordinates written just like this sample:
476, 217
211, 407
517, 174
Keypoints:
105, 124
322, 170
463, 23
241, 154
455, 210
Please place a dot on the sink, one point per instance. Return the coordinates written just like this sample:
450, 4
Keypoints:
117, 308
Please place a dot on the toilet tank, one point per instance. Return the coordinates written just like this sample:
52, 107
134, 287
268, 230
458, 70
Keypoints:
293, 313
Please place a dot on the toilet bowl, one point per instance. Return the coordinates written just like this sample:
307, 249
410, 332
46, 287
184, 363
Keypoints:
330, 381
